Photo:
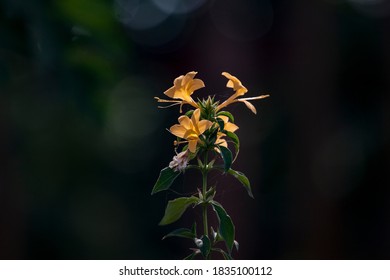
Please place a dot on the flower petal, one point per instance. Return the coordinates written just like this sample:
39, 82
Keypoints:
170, 92
178, 81
186, 122
203, 125
224, 118
249, 105
195, 117
188, 77
195, 85
228, 125
222, 142
231, 126
231, 78
178, 130
235, 84
192, 145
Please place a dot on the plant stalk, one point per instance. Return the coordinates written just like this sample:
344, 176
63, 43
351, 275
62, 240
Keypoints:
204, 190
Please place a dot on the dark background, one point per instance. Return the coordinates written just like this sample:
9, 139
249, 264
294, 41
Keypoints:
82, 141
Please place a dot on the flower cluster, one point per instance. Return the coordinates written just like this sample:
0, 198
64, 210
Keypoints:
191, 129
204, 131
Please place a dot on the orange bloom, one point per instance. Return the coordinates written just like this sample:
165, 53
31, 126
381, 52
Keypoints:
228, 126
182, 89
236, 85
191, 129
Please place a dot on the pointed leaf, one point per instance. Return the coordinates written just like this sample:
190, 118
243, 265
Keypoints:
165, 180
176, 208
213, 136
243, 180
181, 232
210, 193
226, 156
221, 124
235, 139
227, 114
226, 226
206, 247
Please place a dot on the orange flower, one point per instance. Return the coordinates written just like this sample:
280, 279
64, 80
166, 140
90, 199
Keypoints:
236, 85
228, 126
182, 89
191, 129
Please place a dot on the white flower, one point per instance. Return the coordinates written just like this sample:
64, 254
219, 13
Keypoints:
180, 161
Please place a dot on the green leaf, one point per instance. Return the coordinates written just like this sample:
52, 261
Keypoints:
210, 193
176, 208
221, 123
227, 114
243, 180
226, 226
181, 232
235, 139
165, 180
206, 247
226, 156
213, 136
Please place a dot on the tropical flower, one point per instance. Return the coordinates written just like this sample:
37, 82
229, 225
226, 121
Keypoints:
182, 89
191, 129
228, 126
180, 161
236, 85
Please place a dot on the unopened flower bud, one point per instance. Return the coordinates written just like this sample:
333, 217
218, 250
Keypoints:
198, 242
236, 244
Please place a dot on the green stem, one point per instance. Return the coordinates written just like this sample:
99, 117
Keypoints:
204, 190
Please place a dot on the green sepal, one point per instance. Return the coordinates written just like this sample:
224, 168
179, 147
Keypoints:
189, 113
226, 156
226, 226
181, 232
243, 180
206, 247
165, 180
227, 114
176, 208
